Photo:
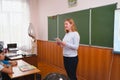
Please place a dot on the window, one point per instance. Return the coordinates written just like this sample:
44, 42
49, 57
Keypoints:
14, 23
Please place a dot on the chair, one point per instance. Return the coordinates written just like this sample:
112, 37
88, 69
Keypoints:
56, 76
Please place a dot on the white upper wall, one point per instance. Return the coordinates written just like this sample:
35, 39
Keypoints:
54, 7
34, 15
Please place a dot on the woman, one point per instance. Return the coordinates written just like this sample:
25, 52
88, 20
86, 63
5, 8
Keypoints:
70, 46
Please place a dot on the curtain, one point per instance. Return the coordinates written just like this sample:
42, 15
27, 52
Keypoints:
14, 23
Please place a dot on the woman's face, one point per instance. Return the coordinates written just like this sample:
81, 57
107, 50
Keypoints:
67, 26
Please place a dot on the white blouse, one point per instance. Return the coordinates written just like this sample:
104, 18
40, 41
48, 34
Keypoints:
72, 40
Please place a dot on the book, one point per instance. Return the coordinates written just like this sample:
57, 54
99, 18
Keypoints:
26, 67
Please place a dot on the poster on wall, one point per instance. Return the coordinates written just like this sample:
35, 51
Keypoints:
72, 3
116, 43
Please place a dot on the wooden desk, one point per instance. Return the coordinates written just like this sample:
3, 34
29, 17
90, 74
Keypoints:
18, 73
31, 59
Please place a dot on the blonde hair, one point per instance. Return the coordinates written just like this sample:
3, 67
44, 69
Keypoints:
71, 21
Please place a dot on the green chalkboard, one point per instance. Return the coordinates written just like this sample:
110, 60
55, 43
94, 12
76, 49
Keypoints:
102, 25
52, 27
95, 25
81, 19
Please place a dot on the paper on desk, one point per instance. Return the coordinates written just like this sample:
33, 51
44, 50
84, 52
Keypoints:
26, 67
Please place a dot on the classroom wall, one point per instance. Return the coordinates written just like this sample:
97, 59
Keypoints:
54, 7
94, 63
34, 15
